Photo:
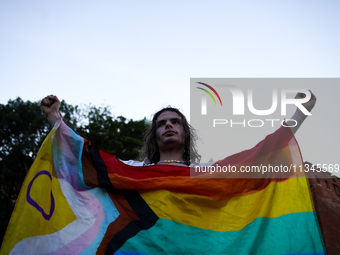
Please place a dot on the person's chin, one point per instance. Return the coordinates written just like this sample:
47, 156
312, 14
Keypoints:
170, 140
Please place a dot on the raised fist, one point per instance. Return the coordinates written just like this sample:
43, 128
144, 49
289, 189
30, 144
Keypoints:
50, 107
311, 103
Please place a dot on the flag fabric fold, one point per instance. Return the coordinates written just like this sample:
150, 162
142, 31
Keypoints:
78, 199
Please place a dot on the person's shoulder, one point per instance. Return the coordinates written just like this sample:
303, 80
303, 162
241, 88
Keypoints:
202, 164
131, 162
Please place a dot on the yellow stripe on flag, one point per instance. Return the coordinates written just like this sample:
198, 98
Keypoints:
277, 199
27, 220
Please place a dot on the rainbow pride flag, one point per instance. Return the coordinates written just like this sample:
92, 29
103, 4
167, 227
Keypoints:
78, 199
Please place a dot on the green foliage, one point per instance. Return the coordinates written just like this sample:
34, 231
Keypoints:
24, 127
117, 136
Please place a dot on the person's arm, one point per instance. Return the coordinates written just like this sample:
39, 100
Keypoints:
299, 116
50, 107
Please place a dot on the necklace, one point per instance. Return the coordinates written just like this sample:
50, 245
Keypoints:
171, 161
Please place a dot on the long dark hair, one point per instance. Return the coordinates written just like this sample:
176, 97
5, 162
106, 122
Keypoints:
150, 147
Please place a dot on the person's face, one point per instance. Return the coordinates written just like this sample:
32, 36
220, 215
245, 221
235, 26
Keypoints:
169, 131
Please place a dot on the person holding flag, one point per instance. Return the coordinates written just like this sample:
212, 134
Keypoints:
79, 199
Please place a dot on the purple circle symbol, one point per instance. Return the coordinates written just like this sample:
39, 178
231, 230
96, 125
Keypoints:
35, 204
